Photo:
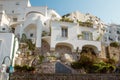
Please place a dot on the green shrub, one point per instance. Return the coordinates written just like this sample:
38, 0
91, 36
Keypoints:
30, 68
103, 67
76, 65
41, 58
93, 65
24, 68
66, 20
17, 67
31, 46
114, 44
86, 61
111, 61
85, 24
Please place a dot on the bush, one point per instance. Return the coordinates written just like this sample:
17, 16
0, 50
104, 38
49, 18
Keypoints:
114, 44
17, 67
66, 20
24, 68
93, 65
85, 24
41, 58
111, 61
86, 61
76, 65
103, 67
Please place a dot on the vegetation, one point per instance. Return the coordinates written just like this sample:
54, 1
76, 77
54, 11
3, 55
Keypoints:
117, 70
66, 15
99, 37
24, 39
44, 33
88, 23
85, 24
79, 36
103, 67
41, 58
66, 20
114, 44
31, 46
24, 68
92, 64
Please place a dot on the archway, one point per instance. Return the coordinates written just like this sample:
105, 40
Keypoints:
30, 32
63, 48
90, 49
36, 12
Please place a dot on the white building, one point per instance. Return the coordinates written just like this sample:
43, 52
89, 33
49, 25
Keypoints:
8, 47
8, 41
112, 34
73, 36
43, 27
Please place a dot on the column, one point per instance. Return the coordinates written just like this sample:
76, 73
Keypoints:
39, 33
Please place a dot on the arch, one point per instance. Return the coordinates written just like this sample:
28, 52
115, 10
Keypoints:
34, 12
45, 47
30, 31
64, 48
90, 48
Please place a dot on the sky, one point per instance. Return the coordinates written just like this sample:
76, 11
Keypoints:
107, 10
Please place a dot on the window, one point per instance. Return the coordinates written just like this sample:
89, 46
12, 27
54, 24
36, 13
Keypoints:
64, 32
13, 11
44, 23
118, 38
87, 35
118, 32
3, 29
17, 3
31, 35
111, 39
14, 19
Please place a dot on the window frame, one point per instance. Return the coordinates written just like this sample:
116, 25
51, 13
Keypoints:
64, 31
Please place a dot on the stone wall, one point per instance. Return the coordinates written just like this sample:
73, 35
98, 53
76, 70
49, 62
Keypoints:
30, 76
45, 47
115, 53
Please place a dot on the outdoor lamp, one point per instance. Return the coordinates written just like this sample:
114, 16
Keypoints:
6, 69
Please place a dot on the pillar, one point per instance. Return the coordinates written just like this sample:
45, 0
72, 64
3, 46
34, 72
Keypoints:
39, 33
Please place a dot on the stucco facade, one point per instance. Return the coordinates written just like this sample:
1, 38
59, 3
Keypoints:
8, 47
43, 27
72, 40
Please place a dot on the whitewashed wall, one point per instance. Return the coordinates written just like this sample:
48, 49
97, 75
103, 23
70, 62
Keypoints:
7, 46
72, 36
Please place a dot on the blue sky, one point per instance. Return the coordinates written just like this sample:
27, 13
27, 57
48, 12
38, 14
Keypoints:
107, 10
